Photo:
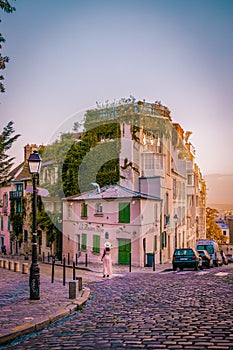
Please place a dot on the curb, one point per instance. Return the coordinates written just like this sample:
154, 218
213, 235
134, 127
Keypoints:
42, 322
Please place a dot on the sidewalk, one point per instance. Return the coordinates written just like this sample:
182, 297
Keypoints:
20, 316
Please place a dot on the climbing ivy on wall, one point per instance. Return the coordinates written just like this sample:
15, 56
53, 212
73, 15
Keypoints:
94, 159
16, 218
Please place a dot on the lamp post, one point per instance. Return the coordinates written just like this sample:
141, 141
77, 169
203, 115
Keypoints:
34, 162
175, 218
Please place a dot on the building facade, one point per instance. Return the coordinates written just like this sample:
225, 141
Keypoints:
157, 161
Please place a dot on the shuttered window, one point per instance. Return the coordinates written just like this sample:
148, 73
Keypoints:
96, 244
124, 212
84, 241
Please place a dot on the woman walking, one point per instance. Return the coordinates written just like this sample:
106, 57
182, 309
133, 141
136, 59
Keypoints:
107, 261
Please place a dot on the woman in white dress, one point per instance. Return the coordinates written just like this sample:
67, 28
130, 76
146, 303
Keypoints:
107, 261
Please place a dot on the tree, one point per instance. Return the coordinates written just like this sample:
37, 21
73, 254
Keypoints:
6, 7
6, 162
213, 231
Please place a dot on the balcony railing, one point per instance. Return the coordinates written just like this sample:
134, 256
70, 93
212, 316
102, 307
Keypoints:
14, 195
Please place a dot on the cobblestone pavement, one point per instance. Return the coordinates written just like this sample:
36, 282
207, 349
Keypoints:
19, 315
172, 310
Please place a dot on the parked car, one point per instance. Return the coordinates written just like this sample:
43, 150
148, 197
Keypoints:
186, 258
230, 258
212, 248
207, 260
224, 258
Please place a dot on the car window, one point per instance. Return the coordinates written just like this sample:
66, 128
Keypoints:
184, 252
209, 248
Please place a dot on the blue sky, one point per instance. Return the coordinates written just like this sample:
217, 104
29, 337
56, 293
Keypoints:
66, 55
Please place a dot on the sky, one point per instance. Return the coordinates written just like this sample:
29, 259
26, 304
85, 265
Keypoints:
66, 55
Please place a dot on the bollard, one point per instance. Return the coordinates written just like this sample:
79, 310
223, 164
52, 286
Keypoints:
16, 266
86, 260
130, 262
1, 262
74, 272
64, 271
10, 265
53, 263
24, 267
80, 283
72, 289
154, 261
5, 264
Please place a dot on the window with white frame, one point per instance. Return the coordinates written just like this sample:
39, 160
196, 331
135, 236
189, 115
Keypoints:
148, 161
190, 179
99, 208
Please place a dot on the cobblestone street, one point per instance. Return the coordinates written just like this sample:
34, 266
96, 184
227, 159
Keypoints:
183, 310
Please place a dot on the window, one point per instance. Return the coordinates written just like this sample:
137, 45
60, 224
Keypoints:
84, 210
5, 200
78, 244
158, 161
174, 189
9, 224
99, 208
224, 232
148, 161
164, 239
69, 210
84, 241
96, 244
124, 212
190, 179
18, 208
156, 216
47, 239
19, 187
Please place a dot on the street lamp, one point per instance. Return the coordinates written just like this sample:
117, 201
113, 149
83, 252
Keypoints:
34, 162
175, 218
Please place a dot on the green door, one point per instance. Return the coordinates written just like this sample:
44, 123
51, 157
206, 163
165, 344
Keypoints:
124, 248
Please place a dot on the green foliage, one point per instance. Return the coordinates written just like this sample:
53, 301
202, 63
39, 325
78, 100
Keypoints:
16, 219
6, 7
6, 162
54, 155
48, 221
213, 231
94, 159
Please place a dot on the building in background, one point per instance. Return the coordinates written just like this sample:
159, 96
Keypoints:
156, 161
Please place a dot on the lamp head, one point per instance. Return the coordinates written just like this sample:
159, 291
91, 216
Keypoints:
34, 162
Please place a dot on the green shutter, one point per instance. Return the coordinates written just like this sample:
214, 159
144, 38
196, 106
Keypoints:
96, 244
84, 241
124, 212
84, 210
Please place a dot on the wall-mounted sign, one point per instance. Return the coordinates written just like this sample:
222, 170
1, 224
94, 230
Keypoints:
87, 227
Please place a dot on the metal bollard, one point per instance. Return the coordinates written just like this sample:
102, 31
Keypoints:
74, 271
53, 263
64, 271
